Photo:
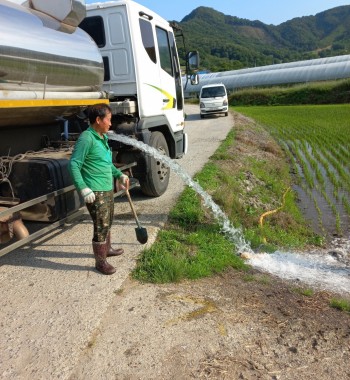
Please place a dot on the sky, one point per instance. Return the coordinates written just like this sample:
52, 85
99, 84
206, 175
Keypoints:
268, 11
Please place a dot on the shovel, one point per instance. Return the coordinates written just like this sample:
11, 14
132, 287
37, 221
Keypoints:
141, 232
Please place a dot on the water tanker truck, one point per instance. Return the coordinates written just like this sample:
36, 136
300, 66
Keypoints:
57, 57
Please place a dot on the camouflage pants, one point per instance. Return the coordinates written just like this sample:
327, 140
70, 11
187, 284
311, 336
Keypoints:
102, 212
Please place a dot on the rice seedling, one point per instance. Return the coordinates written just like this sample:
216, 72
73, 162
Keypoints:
316, 141
346, 205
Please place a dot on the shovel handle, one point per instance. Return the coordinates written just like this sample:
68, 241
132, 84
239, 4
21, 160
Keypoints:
132, 208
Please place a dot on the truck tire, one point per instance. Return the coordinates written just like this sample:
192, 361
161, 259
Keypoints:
158, 174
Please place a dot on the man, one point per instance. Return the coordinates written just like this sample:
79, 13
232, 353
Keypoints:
93, 174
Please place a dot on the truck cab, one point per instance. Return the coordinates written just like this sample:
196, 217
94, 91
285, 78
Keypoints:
144, 85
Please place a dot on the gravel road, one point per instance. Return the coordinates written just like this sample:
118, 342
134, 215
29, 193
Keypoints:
55, 308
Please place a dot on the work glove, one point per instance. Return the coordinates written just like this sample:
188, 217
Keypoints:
88, 195
123, 182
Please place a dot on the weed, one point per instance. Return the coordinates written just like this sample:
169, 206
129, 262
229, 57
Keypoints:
265, 280
304, 292
261, 279
340, 304
248, 278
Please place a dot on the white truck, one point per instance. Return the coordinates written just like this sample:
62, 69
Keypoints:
51, 70
213, 100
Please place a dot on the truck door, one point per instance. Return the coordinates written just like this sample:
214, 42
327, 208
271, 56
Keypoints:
170, 78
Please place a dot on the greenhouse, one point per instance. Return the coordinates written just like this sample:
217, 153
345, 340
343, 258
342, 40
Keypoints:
293, 72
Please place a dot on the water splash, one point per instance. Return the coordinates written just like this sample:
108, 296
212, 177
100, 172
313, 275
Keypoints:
320, 270
235, 235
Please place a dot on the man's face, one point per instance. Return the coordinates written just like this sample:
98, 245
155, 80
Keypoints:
103, 123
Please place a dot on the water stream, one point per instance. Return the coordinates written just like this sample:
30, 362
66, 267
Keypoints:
321, 270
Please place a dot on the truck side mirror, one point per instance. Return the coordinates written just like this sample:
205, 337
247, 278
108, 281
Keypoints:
193, 60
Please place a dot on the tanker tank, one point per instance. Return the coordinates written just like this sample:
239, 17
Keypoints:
48, 66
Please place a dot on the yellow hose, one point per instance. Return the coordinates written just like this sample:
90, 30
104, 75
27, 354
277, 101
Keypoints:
261, 219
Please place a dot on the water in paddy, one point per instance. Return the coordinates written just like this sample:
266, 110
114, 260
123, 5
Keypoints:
322, 270
324, 203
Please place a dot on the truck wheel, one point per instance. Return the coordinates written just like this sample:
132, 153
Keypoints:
157, 177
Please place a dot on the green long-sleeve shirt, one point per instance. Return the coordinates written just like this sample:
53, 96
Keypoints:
91, 162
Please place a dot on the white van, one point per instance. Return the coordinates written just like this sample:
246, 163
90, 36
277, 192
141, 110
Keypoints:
213, 99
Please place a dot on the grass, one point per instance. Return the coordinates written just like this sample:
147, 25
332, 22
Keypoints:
188, 248
304, 292
261, 279
340, 304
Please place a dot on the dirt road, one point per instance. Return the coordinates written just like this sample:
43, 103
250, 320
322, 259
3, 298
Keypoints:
60, 319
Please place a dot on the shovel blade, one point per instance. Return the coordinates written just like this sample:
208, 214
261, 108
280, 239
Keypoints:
141, 235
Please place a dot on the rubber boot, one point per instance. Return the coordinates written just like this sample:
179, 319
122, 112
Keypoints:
111, 251
100, 253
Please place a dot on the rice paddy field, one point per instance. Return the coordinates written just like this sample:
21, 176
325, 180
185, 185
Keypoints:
316, 141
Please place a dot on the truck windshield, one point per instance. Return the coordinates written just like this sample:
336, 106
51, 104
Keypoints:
212, 92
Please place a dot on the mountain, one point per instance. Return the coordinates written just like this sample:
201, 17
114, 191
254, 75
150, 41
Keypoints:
228, 42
